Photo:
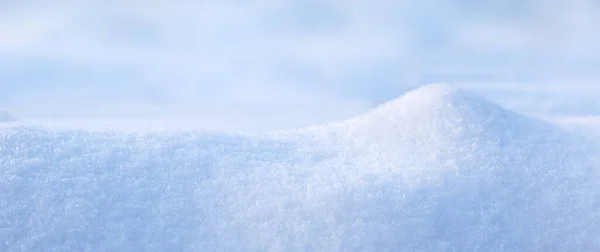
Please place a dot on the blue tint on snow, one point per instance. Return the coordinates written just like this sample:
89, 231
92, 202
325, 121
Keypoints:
438, 169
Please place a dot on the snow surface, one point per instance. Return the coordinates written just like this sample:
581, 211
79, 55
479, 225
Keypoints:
438, 169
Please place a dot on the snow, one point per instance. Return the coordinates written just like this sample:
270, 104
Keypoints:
6, 117
438, 169
587, 125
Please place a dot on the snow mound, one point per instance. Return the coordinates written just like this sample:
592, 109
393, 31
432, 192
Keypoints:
438, 169
6, 117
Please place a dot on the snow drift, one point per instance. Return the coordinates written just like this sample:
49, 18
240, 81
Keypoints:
438, 169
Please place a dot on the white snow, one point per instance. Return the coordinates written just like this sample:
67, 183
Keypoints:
438, 169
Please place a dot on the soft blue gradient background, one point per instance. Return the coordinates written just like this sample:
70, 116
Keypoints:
288, 63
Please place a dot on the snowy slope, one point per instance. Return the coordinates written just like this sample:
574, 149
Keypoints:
438, 169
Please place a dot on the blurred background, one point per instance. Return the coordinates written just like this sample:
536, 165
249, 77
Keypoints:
271, 64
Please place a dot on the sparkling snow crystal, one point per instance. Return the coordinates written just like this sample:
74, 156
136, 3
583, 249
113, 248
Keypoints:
438, 169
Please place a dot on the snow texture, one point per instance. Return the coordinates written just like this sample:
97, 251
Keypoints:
438, 169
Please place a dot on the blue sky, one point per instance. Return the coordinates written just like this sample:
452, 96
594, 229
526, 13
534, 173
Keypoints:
295, 61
